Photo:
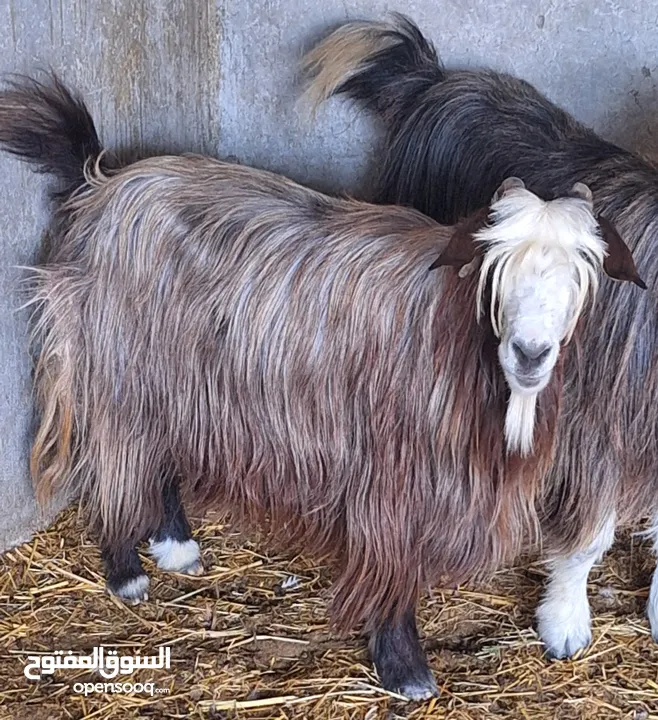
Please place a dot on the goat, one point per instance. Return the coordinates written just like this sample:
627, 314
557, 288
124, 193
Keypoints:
450, 138
223, 335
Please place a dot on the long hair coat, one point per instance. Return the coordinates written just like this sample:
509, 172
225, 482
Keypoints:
450, 138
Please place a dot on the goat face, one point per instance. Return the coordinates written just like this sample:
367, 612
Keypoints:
537, 312
539, 262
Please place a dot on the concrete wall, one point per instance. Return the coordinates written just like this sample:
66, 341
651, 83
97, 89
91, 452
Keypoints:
149, 70
219, 76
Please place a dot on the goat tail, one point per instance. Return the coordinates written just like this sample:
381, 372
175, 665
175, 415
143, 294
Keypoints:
384, 65
46, 125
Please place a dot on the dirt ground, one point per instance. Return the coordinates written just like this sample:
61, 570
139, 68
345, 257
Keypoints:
249, 639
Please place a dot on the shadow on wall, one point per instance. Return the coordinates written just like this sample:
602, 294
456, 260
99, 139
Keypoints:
635, 124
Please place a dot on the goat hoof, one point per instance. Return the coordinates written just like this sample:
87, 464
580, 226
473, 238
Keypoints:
195, 568
414, 683
564, 627
176, 556
419, 691
132, 591
399, 659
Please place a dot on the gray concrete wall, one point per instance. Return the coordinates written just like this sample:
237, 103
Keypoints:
219, 76
149, 70
597, 58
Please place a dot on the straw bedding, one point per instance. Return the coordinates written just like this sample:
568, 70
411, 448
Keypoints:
250, 639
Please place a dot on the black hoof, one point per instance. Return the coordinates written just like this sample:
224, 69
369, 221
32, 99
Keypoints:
400, 661
414, 685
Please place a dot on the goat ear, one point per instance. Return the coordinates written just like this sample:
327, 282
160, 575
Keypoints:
508, 184
462, 249
619, 263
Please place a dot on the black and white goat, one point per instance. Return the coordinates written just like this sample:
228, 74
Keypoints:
451, 137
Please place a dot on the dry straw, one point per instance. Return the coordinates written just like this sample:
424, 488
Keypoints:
244, 647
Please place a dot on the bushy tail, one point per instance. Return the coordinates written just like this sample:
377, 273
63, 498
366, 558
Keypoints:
49, 127
384, 65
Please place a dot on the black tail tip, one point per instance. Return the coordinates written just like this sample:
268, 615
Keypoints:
47, 125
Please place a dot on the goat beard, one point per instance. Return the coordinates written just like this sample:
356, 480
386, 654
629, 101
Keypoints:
520, 423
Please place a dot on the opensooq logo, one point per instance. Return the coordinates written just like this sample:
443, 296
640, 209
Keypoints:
108, 664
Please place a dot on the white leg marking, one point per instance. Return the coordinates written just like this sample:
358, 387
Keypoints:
420, 691
134, 591
175, 556
563, 616
652, 606
652, 603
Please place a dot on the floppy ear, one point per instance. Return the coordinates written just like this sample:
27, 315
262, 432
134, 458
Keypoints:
462, 250
619, 263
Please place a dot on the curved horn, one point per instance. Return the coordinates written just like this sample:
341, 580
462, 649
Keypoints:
508, 184
582, 191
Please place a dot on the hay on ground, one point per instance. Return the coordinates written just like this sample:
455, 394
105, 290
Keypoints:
250, 640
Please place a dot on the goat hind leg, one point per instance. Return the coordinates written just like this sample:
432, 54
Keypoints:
399, 659
124, 574
563, 616
652, 603
126, 496
172, 545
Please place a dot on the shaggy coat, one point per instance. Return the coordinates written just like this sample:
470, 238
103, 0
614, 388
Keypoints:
451, 137
291, 359
287, 356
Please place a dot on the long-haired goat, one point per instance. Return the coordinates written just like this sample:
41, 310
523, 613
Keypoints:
450, 138
225, 333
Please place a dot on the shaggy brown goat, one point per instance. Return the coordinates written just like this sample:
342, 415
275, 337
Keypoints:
451, 137
287, 356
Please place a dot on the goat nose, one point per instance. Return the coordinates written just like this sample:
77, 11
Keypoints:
530, 355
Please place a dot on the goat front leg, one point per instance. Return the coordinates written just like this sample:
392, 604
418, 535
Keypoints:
172, 545
563, 616
399, 659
